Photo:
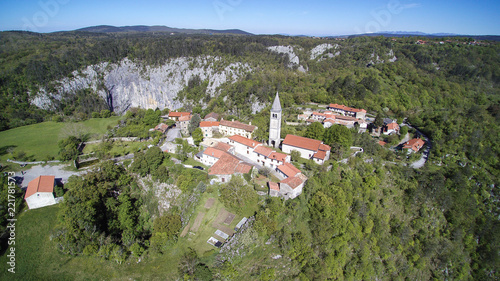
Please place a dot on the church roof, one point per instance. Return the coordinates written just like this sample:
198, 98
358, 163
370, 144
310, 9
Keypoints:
276, 104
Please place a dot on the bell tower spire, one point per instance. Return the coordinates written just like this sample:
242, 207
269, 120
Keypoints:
275, 123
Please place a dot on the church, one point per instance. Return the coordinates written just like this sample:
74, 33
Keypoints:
275, 123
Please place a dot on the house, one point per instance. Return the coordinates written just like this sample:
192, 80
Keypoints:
391, 128
209, 128
227, 166
414, 145
40, 192
176, 115
288, 170
274, 189
292, 187
269, 158
230, 128
211, 117
162, 127
302, 117
308, 148
184, 122
348, 111
243, 146
211, 155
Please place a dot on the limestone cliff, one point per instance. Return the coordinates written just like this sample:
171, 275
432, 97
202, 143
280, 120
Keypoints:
130, 84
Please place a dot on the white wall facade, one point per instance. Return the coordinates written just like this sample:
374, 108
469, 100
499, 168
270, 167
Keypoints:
40, 199
304, 153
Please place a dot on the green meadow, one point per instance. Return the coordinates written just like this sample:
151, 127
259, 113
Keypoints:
39, 141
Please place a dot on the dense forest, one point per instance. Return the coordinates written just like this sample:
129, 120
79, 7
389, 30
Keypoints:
368, 219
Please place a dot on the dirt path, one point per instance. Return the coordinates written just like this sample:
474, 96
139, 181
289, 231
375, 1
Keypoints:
197, 222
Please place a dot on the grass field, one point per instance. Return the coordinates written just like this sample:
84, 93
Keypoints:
40, 140
38, 259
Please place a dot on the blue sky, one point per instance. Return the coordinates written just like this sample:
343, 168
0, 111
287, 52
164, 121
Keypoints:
313, 17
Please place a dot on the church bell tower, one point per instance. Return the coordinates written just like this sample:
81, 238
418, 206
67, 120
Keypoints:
275, 123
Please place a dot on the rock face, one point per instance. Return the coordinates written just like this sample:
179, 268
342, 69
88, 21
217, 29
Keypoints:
321, 49
293, 58
129, 84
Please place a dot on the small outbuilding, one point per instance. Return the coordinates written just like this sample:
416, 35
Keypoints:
40, 192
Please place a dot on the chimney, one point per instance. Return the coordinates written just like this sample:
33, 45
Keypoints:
250, 123
232, 120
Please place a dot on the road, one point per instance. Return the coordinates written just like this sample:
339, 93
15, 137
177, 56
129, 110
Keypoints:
47, 170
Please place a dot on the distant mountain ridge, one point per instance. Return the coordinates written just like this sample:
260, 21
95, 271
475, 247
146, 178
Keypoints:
423, 34
158, 28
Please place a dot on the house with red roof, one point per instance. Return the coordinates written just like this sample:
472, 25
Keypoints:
414, 145
267, 157
230, 128
172, 115
243, 145
391, 128
227, 166
308, 148
184, 124
291, 186
209, 128
211, 117
40, 192
348, 111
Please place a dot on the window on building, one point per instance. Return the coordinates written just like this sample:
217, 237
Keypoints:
223, 180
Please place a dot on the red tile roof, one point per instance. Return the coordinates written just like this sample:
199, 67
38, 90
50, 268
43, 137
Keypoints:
243, 168
212, 115
382, 143
263, 150
301, 142
292, 182
238, 125
222, 146
414, 144
320, 155
324, 147
161, 127
40, 184
345, 108
392, 126
185, 118
204, 124
289, 170
228, 165
210, 151
278, 156
178, 114
245, 141
225, 166
273, 186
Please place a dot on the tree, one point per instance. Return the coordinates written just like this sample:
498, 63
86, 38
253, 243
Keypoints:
105, 113
197, 136
315, 131
338, 135
168, 224
379, 121
152, 118
295, 155
194, 123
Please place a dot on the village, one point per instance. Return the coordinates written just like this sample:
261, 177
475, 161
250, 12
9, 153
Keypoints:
228, 149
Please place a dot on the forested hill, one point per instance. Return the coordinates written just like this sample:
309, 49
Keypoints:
368, 219
159, 28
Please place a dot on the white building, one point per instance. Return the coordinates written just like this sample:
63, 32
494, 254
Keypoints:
275, 123
209, 128
244, 146
270, 158
40, 192
229, 128
308, 148
348, 111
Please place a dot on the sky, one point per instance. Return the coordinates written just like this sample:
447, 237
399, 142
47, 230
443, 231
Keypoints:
293, 17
